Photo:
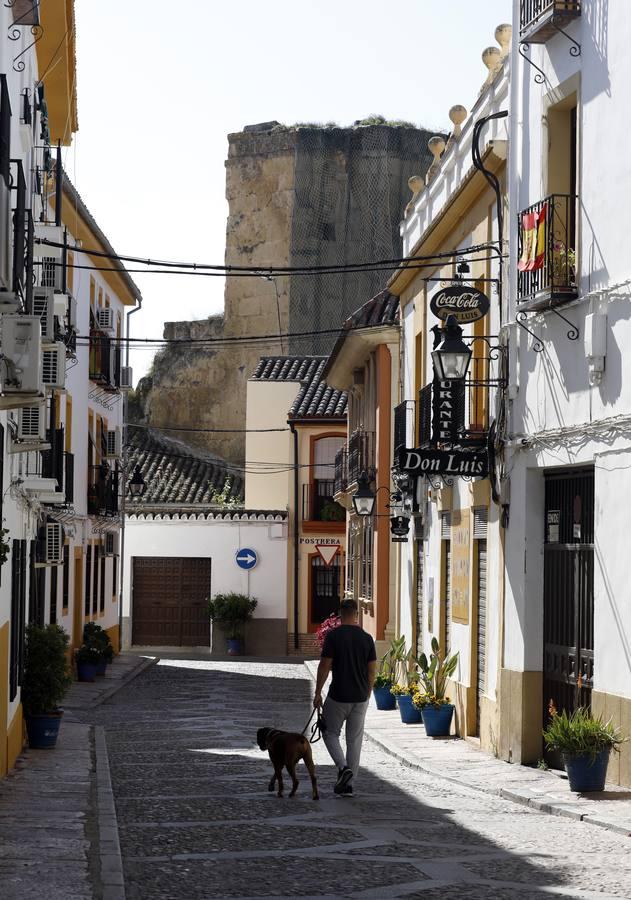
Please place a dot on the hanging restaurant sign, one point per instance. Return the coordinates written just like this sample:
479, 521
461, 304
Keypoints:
467, 304
473, 463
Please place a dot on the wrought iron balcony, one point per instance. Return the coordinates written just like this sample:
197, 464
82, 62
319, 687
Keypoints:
361, 454
540, 20
102, 491
69, 477
548, 277
341, 470
318, 504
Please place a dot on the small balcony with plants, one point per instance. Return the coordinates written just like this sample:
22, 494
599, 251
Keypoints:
102, 491
547, 267
320, 510
540, 20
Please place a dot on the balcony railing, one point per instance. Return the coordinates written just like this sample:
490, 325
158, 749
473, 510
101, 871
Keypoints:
105, 361
549, 277
318, 504
102, 491
53, 459
341, 470
361, 454
538, 18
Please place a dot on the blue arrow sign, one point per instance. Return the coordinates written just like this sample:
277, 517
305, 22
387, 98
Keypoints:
246, 558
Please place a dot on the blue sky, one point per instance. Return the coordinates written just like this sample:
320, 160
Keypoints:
161, 84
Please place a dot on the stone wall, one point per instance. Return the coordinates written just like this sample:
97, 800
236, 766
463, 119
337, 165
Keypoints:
297, 196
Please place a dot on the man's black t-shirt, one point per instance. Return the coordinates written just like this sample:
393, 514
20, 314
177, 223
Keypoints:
351, 649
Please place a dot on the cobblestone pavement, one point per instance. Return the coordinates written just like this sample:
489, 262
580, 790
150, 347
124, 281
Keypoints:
195, 818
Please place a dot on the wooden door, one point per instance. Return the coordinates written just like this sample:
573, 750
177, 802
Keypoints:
170, 601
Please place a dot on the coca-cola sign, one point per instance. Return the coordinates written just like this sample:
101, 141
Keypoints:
467, 304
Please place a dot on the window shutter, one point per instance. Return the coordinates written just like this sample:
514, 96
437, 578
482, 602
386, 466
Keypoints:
445, 526
480, 522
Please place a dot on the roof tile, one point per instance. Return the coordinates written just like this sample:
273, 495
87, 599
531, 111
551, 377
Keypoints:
315, 399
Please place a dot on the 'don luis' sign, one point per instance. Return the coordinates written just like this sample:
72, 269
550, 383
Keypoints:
467, 304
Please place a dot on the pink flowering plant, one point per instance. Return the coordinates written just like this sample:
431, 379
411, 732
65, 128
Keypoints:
328, 625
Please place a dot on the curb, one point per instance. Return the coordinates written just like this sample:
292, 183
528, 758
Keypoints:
112, 878
135, 672
552, 809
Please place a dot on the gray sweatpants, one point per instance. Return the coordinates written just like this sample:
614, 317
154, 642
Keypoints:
335, 715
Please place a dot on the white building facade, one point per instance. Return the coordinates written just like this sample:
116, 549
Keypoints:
567, 633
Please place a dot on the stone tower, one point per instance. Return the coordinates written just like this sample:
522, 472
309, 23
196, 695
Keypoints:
301, 196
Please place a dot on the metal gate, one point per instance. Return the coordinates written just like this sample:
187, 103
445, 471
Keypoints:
568, 590
170, 601
480, 520
325, 588
419, 597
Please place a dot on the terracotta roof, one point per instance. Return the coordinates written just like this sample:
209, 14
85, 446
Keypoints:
176, 473
315, 399
382, 309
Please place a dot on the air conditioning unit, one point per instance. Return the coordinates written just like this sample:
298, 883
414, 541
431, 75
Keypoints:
6, 232
9, 303
54, 366
32, 424
111, 544
53, 544
113, 444
105, 318
127, 378
44, 309
54, 233
21, 372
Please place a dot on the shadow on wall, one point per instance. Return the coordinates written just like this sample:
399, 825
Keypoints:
196, 818
596, 48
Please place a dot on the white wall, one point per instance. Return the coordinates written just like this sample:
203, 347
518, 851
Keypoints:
220, 540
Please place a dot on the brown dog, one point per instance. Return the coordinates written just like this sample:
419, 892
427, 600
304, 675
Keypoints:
287, 749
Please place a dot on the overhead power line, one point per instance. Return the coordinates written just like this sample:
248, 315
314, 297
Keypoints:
257, 271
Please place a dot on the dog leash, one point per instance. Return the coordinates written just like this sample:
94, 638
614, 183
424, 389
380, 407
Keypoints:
317, 728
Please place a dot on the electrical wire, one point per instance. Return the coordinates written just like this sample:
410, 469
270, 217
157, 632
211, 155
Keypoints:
258, 271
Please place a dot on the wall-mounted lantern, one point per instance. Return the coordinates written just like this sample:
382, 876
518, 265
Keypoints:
452, 356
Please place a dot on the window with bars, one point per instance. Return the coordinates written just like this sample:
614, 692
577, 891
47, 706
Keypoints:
88, 580
65, 591
54, 587
445, 534
366, 590
18, 614
114, 577
102, 591
95, 579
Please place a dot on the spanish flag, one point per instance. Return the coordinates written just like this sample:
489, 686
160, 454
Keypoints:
533, 235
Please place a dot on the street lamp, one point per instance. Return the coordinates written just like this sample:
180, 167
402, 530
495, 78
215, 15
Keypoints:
137, 484
452, 356
364, 496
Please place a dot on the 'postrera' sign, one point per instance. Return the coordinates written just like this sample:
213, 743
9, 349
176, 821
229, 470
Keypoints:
474, 463
466, 303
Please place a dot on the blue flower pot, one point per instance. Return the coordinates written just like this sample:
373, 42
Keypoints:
42, 731
235, 646
437, 719
383, 698
101, 667
86, 671
587, 774
410, 715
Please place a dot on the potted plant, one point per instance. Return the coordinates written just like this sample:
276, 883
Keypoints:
382, 688
585, 743
436, 708
97, 637
87, 658
403, 664
333, 621
231, 611
45, 681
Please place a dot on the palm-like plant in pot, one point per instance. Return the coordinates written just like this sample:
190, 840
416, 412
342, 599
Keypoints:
430, 697
382, 688
45, 681
585, 743
405, 681
231, 611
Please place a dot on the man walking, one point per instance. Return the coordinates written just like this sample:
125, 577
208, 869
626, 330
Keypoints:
351, 656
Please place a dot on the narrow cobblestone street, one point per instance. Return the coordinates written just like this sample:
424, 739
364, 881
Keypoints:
195, 818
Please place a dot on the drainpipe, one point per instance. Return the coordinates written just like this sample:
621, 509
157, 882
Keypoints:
296, 533
124, 491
